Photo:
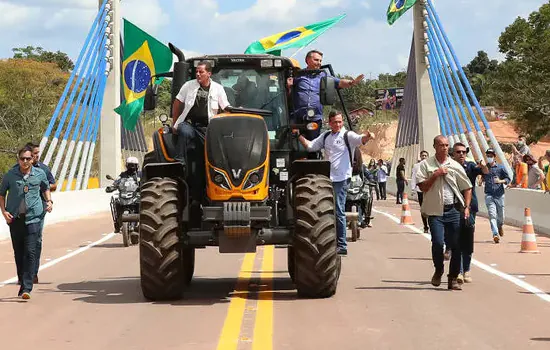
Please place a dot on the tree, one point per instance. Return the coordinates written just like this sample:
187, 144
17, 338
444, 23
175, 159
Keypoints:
38, 54
29, 92
522, 81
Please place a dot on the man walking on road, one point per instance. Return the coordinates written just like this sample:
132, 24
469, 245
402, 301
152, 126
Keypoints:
414, 187
447, 196
401, 180
467, 225
495, 180
51, 180
339, 152
24, 211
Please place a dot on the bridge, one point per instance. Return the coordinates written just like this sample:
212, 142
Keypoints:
89, 294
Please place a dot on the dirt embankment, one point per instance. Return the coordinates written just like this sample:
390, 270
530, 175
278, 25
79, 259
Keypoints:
384, 144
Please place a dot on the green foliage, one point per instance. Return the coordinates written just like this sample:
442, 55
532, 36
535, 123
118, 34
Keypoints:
61, 59
522, 81
29, 92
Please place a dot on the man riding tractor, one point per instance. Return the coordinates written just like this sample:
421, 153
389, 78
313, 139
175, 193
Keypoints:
259, 186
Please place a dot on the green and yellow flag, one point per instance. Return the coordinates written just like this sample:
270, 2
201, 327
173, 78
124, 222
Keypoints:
397, 8
296, 37
144, 56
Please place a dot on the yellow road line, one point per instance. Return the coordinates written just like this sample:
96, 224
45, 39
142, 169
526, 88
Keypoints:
263, 327
229, 338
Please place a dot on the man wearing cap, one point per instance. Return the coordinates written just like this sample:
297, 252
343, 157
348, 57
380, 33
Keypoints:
447, 197
534, 173
495, 180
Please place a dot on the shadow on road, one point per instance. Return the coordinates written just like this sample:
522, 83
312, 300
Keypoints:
413, 285
201, 291
110, 245
541, 339
407, 258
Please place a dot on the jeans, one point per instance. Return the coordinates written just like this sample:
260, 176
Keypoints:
400, 190
420, 201
441, 227
39, 248
24, 242
467, 242
340, 190
382, 186
495, 208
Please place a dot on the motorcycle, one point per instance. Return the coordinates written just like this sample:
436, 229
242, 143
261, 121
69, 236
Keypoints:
359, 199
125, 209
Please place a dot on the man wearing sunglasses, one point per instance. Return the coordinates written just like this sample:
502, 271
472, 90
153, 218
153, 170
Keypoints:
24, 185
473, 170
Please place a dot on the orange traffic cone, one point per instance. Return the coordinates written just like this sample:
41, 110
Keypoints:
529, 239
406, 218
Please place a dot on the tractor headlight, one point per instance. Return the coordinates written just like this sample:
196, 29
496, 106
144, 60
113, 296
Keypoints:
254, 178
312, 126
219, 178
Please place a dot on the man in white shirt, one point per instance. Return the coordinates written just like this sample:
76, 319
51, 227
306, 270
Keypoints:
338, 154
196, 103
414, 187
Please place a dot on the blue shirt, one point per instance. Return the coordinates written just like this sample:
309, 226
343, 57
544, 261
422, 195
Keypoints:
14, 183
492, 189
306, 96
473, 171
46, 170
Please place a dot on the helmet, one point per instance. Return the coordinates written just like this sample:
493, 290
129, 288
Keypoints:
132, 163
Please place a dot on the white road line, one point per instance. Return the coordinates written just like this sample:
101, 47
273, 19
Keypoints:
522, 284
64, 257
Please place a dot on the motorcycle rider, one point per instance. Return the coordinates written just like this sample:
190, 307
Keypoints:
132, 170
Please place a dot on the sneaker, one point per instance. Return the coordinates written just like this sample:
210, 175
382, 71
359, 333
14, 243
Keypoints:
496, 239
460, 279
342, 251
436, 278
26, 296
467, 277
500, 231
453, 284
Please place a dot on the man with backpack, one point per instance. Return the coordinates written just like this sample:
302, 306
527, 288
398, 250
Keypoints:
339, 145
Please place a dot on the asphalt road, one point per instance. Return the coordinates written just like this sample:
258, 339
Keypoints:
89, 296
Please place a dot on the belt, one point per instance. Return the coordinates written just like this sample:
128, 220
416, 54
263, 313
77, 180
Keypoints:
448, 207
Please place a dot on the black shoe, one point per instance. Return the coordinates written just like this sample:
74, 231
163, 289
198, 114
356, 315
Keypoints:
342, 251
426, 230
436, 278
453, 284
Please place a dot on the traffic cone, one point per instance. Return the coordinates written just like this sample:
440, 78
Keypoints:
529, 239
406, 218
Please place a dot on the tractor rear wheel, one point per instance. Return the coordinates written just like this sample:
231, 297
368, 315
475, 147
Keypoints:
162, 261
317, 264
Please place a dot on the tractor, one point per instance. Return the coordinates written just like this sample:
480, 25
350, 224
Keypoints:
261, 186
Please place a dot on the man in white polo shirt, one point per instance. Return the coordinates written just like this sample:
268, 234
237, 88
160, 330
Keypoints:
339, 156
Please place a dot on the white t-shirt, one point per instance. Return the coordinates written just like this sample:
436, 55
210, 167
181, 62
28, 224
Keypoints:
383, 173
337, 152
217, 99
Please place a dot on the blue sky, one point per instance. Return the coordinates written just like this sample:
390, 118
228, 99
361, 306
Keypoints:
362, 43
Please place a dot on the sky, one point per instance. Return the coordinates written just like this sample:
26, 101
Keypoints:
361, 43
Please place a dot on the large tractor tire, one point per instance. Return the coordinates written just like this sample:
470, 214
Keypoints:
162, 264
317, 264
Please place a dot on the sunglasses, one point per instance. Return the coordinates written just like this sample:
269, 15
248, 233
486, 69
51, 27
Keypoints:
461, 152
25, 158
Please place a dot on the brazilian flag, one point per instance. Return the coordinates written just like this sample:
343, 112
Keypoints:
296, 37
144, 56
397, 8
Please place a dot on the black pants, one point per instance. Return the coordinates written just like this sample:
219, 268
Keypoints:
382, 186
400, 190
420, 200
24, 242
191, 153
